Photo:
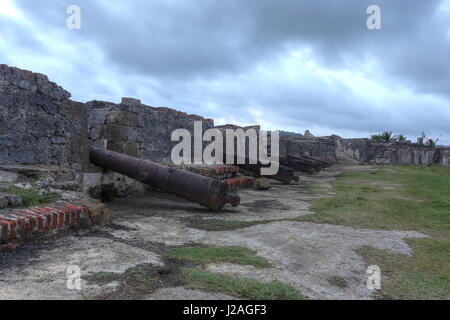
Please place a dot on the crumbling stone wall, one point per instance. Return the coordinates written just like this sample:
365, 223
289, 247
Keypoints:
445, 157
321, 147
137, 129
338, 149
369, 151
39, 124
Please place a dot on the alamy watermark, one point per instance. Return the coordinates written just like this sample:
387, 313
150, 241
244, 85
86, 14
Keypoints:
73, 278
373, 22
374, 280
73, 22
214, 152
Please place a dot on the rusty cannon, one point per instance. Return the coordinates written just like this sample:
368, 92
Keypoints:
285, 174
305, 163
207, 192
323, 163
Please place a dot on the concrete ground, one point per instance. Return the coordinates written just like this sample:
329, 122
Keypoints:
304, 255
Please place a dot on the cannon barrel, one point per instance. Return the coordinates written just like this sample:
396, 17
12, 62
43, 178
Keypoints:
208, 192
305, 163
324, 163
285, 174
300, 164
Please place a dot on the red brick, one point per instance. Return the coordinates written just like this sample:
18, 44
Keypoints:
17, 226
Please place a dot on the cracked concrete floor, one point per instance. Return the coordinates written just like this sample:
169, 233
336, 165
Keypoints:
304, 255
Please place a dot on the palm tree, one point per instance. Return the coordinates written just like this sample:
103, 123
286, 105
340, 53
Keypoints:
387, 136
401, 137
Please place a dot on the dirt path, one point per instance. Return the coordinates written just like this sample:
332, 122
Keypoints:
318, 259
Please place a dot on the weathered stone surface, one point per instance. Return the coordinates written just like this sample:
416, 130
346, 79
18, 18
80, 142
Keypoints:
308, 134
38, 122
137, 129
362, 150
123, 118
66, 185
98, 212
4, 202
445, 157
30, 81
6, 176
14, 200
10, 200
262, 184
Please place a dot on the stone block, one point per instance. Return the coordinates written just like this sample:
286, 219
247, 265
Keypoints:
98, 212
114, 132
7, 176
123, 118
262, 184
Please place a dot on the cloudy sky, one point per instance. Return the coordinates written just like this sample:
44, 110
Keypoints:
285, 64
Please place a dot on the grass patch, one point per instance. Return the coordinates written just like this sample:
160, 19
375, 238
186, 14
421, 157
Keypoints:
317, 190
7, 182
425, 275
404, 198
239, 287
106, 276
211, 254
30, 197
134, 283
139, 281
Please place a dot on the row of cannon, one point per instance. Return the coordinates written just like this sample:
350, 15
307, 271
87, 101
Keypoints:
208, 192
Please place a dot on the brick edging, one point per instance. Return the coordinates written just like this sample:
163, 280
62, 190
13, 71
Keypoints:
239, 183
19, 226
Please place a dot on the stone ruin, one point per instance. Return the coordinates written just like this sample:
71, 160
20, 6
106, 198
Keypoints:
44, 148
45, 138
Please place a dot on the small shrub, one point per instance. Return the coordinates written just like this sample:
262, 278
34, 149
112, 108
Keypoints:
31, 197
376, 138
431, 143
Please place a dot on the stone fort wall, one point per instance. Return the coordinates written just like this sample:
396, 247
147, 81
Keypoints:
39, 124
364, 151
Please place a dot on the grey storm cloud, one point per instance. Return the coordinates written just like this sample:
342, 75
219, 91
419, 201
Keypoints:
194, 54
180, 38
